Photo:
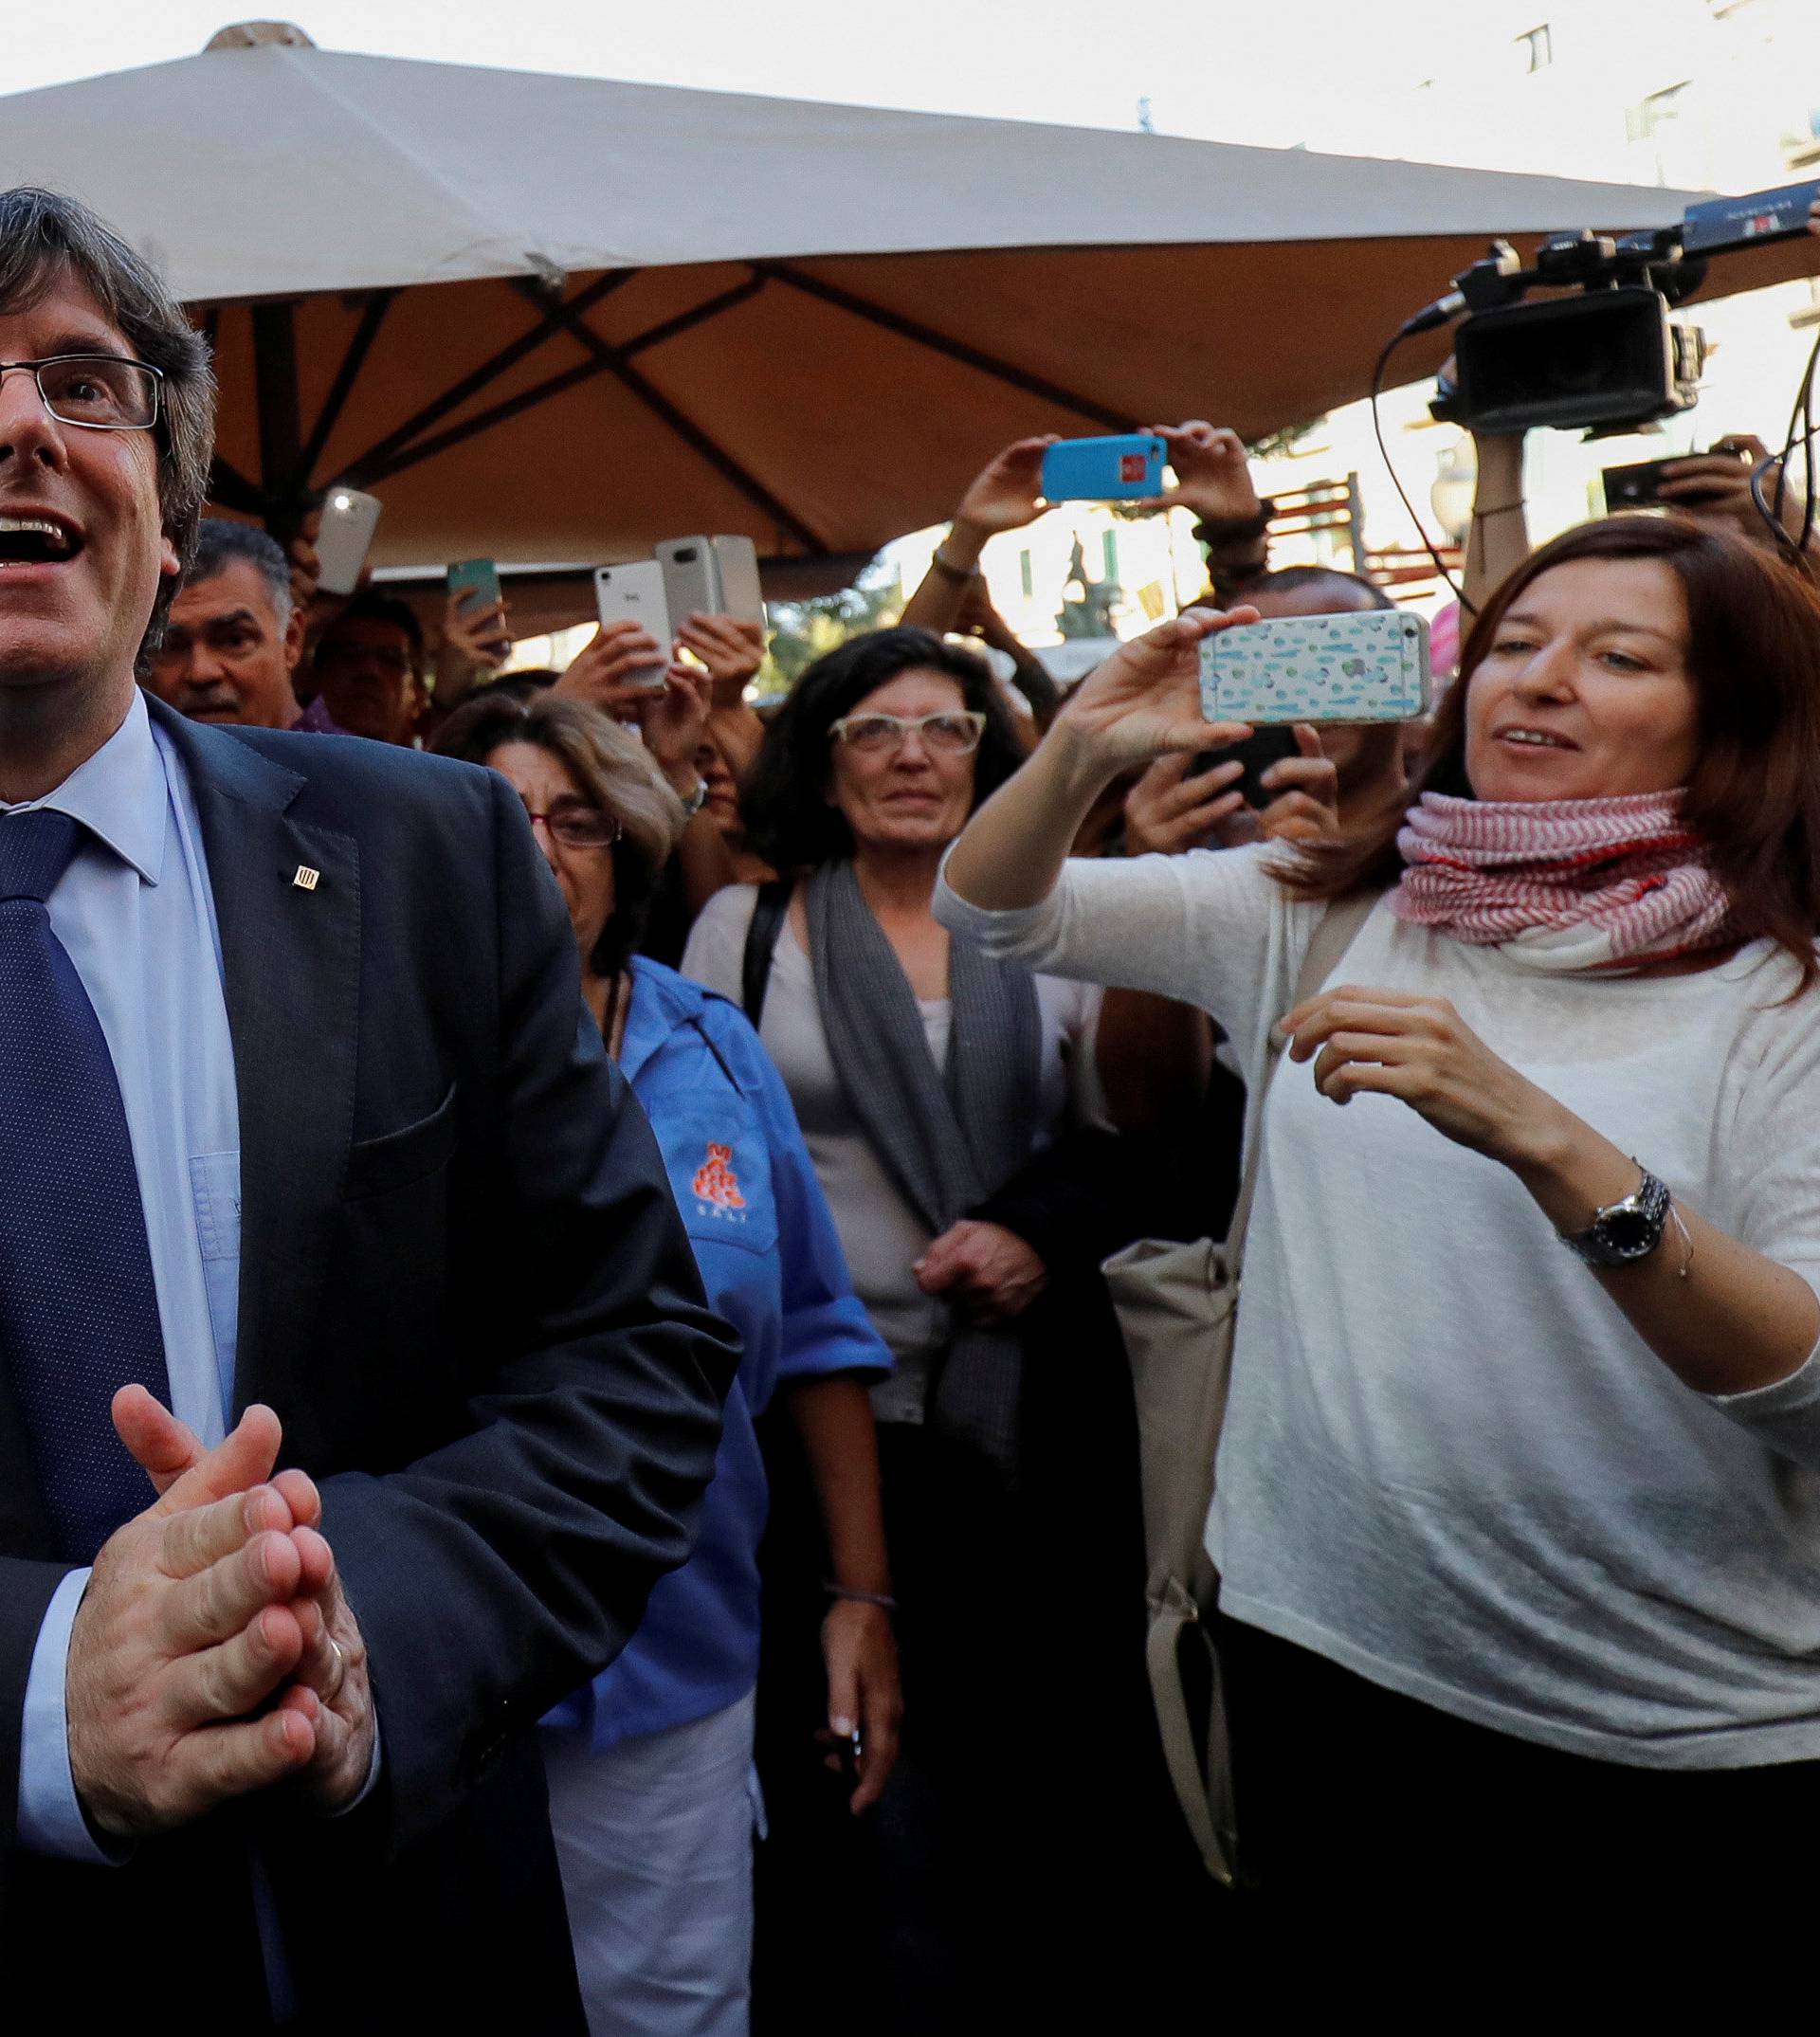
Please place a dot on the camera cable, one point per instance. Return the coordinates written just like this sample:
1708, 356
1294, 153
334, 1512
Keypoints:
1800, 432
1408, 329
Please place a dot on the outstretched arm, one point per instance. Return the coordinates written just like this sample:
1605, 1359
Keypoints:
1498, 540
1004, 495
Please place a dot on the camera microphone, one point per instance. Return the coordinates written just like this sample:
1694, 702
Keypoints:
1442, 312
1494, 278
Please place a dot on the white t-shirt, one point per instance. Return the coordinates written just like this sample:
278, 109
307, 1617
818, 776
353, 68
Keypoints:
880, 1234
1449, 1463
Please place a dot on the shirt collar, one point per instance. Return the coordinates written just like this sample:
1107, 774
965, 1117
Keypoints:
118, 793
659, 1003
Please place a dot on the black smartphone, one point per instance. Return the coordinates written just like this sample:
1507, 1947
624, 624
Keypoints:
1257, 753
1639, 486
847, 1751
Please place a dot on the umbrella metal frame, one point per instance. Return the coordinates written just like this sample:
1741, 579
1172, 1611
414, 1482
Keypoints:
288, 461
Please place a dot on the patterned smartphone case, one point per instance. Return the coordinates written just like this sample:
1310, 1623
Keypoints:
1357, 668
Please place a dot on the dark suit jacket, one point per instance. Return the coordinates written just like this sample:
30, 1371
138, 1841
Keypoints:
466, 1290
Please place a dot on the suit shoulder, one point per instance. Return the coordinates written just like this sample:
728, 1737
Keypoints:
353, 769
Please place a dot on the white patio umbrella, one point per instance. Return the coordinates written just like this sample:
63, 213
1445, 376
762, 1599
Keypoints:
553, 318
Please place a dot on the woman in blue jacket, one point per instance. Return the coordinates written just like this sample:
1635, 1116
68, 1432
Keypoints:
653, 1798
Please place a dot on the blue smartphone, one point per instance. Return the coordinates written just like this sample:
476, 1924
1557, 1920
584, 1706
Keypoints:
1104, 470
475, 582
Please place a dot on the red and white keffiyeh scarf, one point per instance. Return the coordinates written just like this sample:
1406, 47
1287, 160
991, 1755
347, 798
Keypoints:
1563, 884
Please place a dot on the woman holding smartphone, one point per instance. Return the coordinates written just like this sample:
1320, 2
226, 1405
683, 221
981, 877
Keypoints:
1517, 1515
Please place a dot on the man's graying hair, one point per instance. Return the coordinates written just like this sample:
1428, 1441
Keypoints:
220, 543
45, 238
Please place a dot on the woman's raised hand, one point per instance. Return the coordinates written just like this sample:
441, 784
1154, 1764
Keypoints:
1145, 701
1008, 493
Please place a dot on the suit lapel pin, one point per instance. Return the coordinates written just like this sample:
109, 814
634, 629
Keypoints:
306, 879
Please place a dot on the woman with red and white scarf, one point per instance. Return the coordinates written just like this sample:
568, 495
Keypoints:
1518, 1517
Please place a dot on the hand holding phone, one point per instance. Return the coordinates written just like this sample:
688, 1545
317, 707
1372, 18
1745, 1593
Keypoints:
1181, 803
732, 652
1213, 472
1255, 754
864, 1697
1715, 486
475, 636
1007, 493
1145, 701
1275, 785
633, 594
1640, 485
606, 672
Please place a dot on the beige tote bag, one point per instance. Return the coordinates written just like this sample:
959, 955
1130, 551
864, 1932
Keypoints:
1177, 1305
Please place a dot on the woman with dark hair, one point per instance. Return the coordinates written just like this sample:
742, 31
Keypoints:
1518, 1506
935, 1090
650, 1767
865, 774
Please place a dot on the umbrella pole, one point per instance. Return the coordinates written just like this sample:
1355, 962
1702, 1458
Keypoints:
280, 429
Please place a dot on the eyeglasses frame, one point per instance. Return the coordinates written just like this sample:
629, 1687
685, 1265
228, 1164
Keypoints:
83, 424
612, 820
904, 724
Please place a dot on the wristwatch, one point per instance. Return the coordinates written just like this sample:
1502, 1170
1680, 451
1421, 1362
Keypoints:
1626, 1231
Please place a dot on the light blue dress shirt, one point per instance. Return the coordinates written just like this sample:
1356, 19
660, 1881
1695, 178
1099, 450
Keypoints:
135, 912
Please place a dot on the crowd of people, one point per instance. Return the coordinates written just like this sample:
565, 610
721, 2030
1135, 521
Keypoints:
568, 1449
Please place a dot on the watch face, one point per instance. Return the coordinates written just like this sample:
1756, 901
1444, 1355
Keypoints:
1631, 1230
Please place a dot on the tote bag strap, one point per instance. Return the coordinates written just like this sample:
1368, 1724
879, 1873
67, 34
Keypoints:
1340, 924
767, 923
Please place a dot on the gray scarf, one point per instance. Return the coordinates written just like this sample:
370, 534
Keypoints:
947, 1146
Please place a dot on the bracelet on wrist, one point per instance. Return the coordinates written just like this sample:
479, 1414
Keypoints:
1499, 509
882, 1599
1228, 583
1223, 530
960, 576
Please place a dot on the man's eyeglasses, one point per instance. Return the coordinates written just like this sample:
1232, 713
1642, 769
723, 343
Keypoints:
952, 733
578, 826
99, 391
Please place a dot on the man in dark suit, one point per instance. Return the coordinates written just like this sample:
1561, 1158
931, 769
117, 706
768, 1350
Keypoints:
307, 1157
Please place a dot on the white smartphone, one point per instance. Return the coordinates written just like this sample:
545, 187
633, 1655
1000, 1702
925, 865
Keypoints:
349, 520
636, 593
741, 597
1369, 666
691, 575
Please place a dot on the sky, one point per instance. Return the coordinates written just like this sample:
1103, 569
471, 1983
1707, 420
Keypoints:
1208, 68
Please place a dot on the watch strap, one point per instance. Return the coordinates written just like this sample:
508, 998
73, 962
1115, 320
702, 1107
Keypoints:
1627, 1231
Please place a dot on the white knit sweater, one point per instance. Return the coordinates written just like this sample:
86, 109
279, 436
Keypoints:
1449, 1465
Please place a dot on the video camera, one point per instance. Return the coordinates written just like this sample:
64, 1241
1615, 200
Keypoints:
1608, 358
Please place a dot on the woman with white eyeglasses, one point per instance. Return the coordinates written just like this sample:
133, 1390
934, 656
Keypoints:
934, 1089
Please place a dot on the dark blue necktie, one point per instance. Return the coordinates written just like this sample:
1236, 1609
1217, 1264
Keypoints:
79, 1311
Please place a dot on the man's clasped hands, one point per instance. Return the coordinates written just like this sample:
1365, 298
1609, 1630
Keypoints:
214, 1653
